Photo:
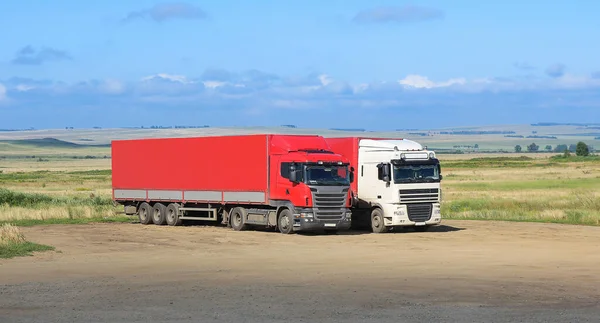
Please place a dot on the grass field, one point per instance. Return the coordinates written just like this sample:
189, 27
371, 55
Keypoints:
13, 243
536, 187
523, 189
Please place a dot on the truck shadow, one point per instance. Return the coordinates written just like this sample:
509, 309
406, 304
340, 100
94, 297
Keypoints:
352, 232
404, 230
438, 228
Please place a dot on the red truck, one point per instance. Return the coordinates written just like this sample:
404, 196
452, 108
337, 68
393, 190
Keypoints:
289, 182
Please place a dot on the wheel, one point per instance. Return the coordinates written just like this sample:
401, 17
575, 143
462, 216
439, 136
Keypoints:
159, 215
377, 224
237, 218
422, 228
285, 222
172, 215
145, 213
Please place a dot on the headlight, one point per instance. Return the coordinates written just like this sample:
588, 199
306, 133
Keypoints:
306, 215
348, 215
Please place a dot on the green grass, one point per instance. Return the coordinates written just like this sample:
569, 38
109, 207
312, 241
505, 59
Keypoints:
49, 221
579, 208
57, 177
490, 162
36, 200
573, 158
95, 172
35, 208
48, 143
541, 184
12, 250
13, 243
516, 162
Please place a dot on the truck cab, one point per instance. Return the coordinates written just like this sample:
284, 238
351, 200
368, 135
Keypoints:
315, 186
397, 183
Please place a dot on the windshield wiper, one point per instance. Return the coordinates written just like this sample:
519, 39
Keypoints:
408, 180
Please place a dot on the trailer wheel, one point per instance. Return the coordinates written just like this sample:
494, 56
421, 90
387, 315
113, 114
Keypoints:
145, 213
159, 214
237, 218
285, 222
377, 223
173, 215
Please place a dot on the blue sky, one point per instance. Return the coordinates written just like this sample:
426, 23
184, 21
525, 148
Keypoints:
355, 64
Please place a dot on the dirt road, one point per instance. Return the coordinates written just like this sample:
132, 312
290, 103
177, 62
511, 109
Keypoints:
461, 271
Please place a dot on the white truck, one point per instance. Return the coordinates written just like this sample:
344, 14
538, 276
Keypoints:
397, 182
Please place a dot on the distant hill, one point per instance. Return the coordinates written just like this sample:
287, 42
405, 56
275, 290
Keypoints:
49, 143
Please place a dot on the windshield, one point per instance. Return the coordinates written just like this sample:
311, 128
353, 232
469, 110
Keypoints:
327, 175
416, 173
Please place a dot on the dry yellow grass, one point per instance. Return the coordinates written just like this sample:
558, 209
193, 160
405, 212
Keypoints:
537, 189
14, 213
11, 234
55, 165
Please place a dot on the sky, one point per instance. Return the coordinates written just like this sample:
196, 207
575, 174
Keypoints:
377, 65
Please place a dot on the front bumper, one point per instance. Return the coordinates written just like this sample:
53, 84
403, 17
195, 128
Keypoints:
302, 222
397, 215
322, 225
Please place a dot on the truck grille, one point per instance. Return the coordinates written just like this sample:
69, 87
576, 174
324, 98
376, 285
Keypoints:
419, 212
420, 195
329, 205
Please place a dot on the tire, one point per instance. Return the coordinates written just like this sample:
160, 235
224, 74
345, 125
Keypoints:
377, 224
237, 218
172, 215
159, 216
285, 222
145, 213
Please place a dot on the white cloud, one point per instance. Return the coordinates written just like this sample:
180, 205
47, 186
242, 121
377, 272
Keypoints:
112, 87
325, 79
24, 87
418, 81
569, 81
3, 95
168, 77
213, 84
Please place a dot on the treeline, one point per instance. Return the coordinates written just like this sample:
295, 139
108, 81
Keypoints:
348, 129
550, 124
476, 146
573, 148
531, 136
175, 127
474, 132
9, 130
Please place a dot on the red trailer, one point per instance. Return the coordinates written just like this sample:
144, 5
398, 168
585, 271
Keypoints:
292, 182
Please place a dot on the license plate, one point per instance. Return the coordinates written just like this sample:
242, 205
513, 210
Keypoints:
418, 224
330, 224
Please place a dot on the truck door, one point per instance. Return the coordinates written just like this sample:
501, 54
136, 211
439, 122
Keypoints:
283, 188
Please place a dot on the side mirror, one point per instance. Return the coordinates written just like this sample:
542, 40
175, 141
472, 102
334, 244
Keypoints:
441, 177
386, 173
351, 177
293, 174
